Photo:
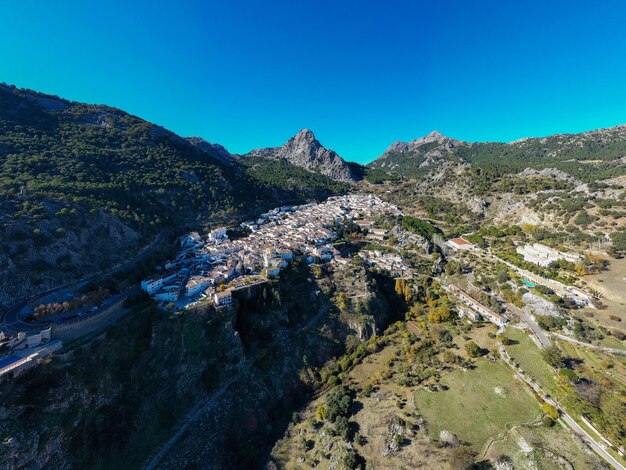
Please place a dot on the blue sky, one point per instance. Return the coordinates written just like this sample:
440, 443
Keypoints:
360, 74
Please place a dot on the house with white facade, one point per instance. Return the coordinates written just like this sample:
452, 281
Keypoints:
190, 239
218, 234
364, 223
544, 255
154, 283
223, 298
285, 254
486, 312
460, 244
278, 235
196, 284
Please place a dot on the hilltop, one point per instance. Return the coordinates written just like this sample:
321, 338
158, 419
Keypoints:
592, 155
305, 151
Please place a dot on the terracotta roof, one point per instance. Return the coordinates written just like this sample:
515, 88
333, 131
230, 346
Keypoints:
460, 241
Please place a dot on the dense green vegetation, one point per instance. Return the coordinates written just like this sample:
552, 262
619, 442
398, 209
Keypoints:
619, 243
587, 157
420, 227
101, 157
273, 173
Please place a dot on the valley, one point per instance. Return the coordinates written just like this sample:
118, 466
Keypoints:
451, 305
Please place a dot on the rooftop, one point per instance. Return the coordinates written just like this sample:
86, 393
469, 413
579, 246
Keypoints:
460, 241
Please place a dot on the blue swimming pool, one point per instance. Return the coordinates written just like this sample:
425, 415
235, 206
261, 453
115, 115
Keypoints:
528, 283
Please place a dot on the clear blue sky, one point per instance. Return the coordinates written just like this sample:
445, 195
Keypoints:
360, 74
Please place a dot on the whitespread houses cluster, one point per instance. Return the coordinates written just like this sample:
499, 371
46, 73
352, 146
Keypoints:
215, 267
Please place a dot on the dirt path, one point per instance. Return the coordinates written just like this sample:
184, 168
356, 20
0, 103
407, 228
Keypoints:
592, 346
200, 409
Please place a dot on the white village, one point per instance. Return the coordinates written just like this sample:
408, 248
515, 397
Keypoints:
212, 269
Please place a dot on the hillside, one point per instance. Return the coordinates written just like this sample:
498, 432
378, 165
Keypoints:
84, 186
113, 402
588, 156
305, 151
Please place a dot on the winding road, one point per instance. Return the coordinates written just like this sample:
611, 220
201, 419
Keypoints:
564, 417
11, 321
588, 345
201, 408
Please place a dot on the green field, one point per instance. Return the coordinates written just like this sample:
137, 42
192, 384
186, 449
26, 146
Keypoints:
536, 446
472, 409
528, 356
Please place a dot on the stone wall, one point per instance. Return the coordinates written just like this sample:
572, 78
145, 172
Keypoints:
80, 327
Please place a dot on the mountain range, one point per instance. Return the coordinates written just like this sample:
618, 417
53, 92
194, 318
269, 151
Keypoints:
354, 363
592, 155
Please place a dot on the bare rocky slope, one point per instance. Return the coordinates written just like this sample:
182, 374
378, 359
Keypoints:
305, 151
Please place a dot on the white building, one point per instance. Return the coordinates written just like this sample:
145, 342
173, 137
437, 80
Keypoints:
474, 304
170, 291
544, 255
197, 284
460, 244
287, 255
376, 233
223, 298
168, 294
154, 283
16, 364
37, 339
190, 239
218, 234
364, 223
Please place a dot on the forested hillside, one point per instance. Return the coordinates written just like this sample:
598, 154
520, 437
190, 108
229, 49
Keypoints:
103, 157
83, 187
588, 156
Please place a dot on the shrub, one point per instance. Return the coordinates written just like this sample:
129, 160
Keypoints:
338, 403
553, 356
569, 374
550, 410
472, 349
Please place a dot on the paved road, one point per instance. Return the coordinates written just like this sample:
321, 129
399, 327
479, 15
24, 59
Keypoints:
541, 336
587, 345
571, 422
11, 320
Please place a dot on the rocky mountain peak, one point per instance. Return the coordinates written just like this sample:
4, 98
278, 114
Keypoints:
434, 135
305, 151
305, 134
414, 145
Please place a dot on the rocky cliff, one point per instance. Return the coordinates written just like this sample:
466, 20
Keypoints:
305, 151
239, 372
50, 244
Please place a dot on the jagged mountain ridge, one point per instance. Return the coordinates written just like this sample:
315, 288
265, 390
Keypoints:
305, 151
589, 155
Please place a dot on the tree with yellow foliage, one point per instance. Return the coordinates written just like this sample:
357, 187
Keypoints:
551, 411
439, 314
